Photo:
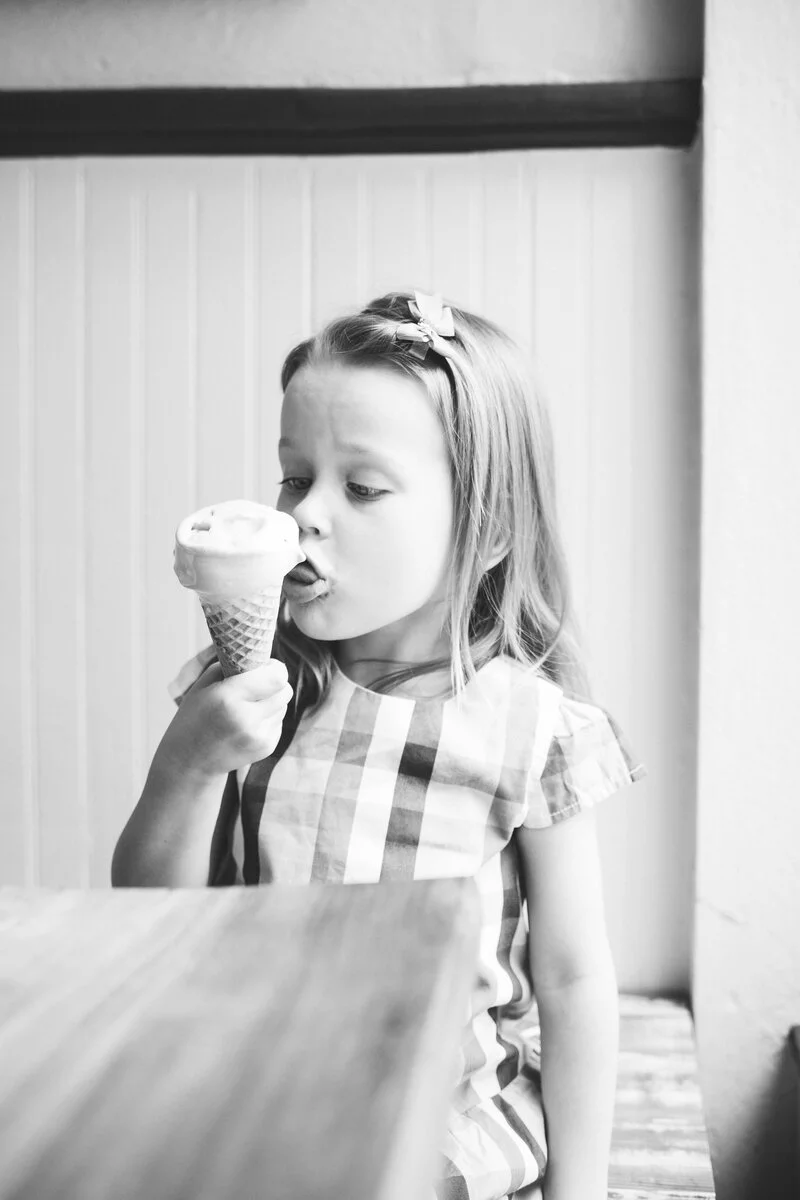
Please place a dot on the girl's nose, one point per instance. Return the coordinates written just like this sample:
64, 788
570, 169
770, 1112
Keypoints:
312, 513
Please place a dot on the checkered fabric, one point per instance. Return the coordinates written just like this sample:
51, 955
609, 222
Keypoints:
374, 787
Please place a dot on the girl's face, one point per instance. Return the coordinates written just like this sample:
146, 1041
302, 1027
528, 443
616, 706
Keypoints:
366, 475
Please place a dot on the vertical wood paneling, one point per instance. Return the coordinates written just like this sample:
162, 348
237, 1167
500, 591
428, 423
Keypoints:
606, 604
221, 355
144, 381
137, 482
397, 229
610, 364
169, 371
251, 331
19, 842
507, 228
337, 266
561, 254
452, 199
81, 549
284, 278
114, 465
58, 514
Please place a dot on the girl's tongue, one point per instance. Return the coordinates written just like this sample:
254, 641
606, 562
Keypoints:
303, 573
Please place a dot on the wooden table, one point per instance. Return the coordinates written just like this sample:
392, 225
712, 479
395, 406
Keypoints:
230, 1044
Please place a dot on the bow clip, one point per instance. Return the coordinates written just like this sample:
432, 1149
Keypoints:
433, 324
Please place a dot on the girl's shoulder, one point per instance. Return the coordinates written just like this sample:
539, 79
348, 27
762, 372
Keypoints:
584, 757
577, 753
519, 683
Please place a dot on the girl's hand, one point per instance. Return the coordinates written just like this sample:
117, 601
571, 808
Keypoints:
224, 724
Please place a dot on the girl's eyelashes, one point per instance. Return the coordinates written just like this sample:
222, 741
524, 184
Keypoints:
361, 492
295, 485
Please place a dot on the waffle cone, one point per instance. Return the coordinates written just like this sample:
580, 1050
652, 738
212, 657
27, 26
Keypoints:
242, 628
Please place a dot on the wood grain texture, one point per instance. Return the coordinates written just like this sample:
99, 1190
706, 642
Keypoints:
269, 1042
660, 1146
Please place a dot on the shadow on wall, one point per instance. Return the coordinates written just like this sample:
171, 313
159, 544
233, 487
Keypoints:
761, 1157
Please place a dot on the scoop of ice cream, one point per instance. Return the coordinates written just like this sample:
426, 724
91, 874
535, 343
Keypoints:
236, 548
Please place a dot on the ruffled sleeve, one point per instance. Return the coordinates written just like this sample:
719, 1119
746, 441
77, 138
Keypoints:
190, 672
586, 760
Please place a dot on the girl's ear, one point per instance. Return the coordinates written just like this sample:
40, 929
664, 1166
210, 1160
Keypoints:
500, 548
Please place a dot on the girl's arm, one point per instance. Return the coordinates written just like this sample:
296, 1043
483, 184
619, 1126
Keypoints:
167, 840
221, 725
575, 987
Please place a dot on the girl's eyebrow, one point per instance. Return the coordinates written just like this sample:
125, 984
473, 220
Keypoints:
360, 448
357, 448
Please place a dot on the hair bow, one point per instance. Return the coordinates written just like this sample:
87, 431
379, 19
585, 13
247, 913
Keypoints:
434, 323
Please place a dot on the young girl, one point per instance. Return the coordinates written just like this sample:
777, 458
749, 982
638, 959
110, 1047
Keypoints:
435, 721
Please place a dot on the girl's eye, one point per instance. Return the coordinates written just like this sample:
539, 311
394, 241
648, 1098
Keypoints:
361, 492
295, 484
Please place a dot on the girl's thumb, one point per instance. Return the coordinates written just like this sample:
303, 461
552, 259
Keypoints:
212, 674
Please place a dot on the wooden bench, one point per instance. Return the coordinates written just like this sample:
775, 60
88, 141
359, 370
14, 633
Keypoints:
660, 1146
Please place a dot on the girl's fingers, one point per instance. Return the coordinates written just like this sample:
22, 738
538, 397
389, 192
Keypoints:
277, 702
262, 683
274, 706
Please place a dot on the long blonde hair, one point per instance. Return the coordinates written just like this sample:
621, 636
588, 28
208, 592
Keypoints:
500, 445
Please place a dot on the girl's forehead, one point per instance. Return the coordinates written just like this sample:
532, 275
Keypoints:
372, 399
341, 380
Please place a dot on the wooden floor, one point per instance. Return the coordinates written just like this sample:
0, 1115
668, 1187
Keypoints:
660, 1146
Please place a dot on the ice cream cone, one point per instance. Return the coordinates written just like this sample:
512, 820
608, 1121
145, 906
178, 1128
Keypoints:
242, 628
235, 555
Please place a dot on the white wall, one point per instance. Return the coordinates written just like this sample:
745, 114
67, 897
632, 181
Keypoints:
344, 43
747, 963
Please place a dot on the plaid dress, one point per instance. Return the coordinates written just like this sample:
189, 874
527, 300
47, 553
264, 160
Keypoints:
373, 787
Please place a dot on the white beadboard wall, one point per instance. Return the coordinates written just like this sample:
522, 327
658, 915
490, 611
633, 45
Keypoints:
145, 308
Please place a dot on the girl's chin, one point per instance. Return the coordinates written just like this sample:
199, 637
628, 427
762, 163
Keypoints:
317, 619
313, 617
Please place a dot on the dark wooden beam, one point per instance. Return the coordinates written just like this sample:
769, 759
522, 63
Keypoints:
279, 121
